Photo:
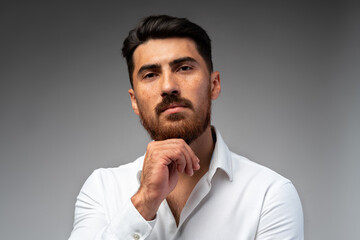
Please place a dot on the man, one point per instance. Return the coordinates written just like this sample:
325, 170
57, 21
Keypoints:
188, 185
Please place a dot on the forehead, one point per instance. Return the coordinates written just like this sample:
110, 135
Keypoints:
162, 51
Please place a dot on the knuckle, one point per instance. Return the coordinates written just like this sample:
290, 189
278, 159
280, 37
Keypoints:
178, 153
179, 141
150, 145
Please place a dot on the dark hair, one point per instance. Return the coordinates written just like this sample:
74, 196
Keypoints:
164, 26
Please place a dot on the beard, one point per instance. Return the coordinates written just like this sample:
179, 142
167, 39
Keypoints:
178, 125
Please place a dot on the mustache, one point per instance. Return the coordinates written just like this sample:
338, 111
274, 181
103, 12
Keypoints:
171, 99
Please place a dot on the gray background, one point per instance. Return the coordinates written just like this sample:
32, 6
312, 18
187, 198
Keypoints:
290, 101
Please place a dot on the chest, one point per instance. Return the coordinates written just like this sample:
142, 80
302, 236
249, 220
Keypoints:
214, 217
177, 199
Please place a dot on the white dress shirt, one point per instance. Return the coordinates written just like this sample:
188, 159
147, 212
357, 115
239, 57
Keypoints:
235, 199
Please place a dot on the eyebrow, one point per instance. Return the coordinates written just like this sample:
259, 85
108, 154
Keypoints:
182, 60
147, 67
172, 63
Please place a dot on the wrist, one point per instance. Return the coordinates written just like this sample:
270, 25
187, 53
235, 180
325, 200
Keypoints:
146, 207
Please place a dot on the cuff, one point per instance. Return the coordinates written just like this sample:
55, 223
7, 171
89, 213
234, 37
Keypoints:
129, 224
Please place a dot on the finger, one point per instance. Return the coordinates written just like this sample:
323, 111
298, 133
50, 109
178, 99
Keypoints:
179, 158
188, 158
173, 154
184, 155
195, 161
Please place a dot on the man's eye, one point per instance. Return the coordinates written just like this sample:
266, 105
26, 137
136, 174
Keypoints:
185, 68
149, 75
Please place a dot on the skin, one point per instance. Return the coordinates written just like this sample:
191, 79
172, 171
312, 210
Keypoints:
171, 167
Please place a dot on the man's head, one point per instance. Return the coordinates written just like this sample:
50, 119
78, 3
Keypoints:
172, 83
161, 27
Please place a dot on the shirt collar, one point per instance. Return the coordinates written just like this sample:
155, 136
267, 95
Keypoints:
221, 159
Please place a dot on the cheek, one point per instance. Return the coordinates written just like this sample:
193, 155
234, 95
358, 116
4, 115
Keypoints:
146, 104
201, 98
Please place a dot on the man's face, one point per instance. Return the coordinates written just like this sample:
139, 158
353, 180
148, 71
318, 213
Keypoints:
172, 89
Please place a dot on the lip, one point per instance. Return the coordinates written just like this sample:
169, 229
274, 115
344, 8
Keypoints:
174, 108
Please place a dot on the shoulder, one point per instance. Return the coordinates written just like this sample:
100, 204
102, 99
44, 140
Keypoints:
110, 179
245, 169
278, 201
261, 182
242, 170
122, 171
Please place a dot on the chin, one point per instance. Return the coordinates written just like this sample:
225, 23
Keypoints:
178, 125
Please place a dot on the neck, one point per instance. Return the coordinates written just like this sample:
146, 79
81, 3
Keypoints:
203, 148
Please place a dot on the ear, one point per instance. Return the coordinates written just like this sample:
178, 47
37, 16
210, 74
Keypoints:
133, 101
215, 85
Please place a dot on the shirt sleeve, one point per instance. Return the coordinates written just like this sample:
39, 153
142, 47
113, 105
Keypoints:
92, 223
281, 216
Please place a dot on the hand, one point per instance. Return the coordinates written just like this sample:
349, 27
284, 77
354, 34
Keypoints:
163, 162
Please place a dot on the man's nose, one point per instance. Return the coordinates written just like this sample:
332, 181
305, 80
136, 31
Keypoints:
169, 85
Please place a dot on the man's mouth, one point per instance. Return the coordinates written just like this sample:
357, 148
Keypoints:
173, 104
173, 108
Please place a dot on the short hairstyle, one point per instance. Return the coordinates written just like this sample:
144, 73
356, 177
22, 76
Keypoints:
161, 27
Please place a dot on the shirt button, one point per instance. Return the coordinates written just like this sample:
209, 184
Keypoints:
136, 236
